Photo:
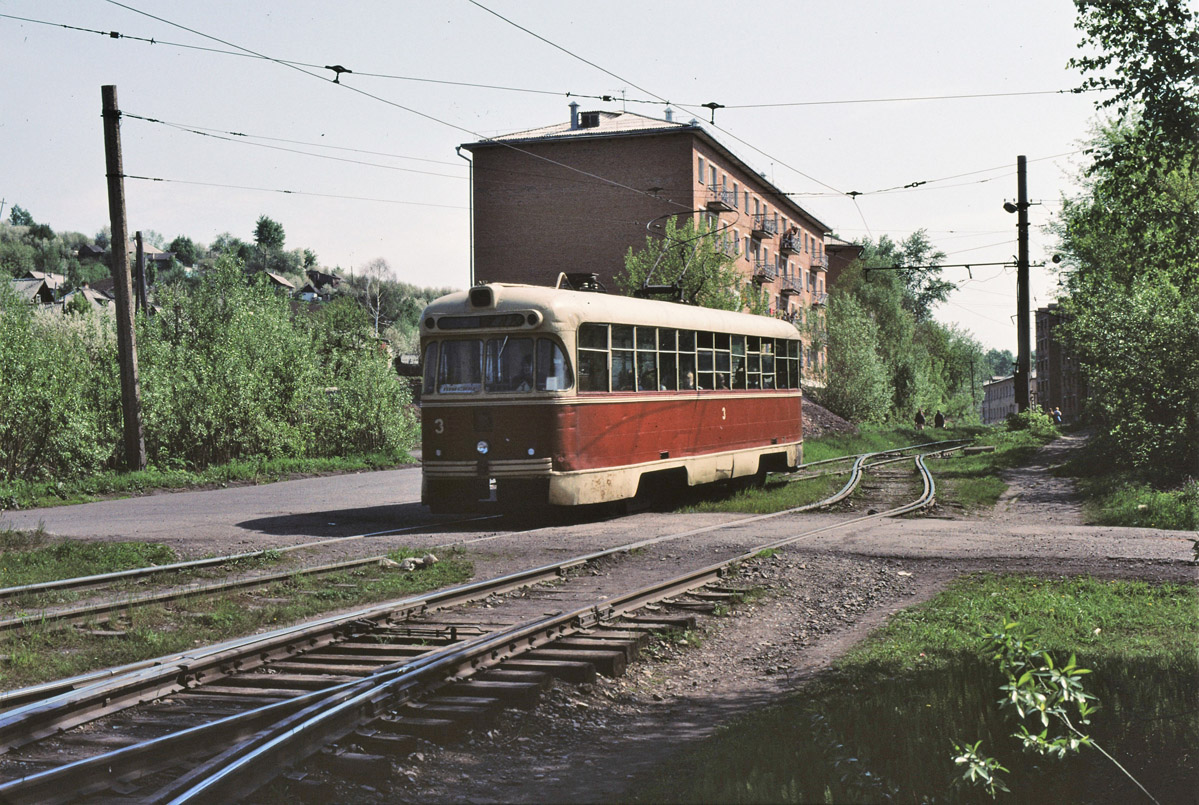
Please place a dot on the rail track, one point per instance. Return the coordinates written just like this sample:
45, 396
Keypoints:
217, 723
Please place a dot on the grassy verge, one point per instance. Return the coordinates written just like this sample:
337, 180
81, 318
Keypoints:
881, 725
21, 494
1123, 500
32, 655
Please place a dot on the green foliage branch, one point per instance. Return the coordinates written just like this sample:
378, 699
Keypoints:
1049, 696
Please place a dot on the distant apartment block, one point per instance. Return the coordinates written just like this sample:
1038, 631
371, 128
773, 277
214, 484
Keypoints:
999, 398
574, 197
1059, 382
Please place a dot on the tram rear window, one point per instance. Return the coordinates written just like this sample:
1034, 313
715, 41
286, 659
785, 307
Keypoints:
496, 365
621, 357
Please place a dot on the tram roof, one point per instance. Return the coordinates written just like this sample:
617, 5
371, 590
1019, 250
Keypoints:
569, 309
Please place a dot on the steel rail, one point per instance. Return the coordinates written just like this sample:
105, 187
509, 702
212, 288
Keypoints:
312, 720
248, 767
101, 579
52, 707
84, 613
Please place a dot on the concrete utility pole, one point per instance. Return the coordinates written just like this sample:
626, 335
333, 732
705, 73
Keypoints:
1023, 339
131, 404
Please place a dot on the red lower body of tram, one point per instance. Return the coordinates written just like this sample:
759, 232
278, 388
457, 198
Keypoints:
599, 448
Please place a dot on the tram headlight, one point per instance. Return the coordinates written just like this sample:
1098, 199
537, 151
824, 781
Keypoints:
483, 447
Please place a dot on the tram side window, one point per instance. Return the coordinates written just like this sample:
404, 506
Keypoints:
705, 361
687, 360
767, 363
430, 385
668, 378
737, 344
460, 368
553, 369
623, 366
647, 359
593, 357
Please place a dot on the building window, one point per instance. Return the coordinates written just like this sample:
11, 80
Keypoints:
746, 250
734, 194
701, 170
712, 174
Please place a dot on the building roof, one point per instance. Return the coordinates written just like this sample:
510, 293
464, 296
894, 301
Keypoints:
93, 297
279, 280
32, 290
53, 281
609, 123
631, 124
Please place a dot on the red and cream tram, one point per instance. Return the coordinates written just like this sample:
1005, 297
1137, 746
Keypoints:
572, 397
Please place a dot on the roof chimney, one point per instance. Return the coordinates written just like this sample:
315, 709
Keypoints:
669, 115
574, 115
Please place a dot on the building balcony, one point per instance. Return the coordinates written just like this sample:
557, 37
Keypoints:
791, 243
820, 263
765, 226
791, 286
819, 299
764, 271
719, 199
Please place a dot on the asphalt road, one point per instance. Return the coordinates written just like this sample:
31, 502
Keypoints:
275, 514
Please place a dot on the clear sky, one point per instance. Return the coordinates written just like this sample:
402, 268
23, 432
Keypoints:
371, 164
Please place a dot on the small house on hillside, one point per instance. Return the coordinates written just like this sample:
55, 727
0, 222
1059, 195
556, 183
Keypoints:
320, 279
90, 251
279, 281
53, 281
95, 299
33, 291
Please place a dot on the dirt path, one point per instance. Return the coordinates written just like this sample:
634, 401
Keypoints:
584, 744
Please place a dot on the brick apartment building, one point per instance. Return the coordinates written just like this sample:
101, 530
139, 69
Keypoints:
1059, 383
575, 196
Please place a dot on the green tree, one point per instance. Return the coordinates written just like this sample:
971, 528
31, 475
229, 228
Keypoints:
1128, 239
185, 250
857, 386
20, 216
697, 259
999, 363
268, 234
1144, 54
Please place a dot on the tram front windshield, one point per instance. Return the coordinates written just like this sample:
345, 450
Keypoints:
505, 365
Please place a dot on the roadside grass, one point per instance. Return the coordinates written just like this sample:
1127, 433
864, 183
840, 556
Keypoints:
36, 655
880, 725
1121, 499
69, 559
23, 494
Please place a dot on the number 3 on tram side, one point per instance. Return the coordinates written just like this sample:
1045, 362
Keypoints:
569, 397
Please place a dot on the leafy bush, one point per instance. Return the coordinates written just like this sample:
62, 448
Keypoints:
1039, 423
227, 372
60, 392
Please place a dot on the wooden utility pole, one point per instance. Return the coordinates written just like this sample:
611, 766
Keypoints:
1024, 339
131, 404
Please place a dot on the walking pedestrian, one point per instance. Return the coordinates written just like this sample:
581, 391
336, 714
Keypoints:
919, 419
939, 420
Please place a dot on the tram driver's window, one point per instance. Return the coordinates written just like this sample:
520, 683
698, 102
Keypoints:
509, 364
460, 369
